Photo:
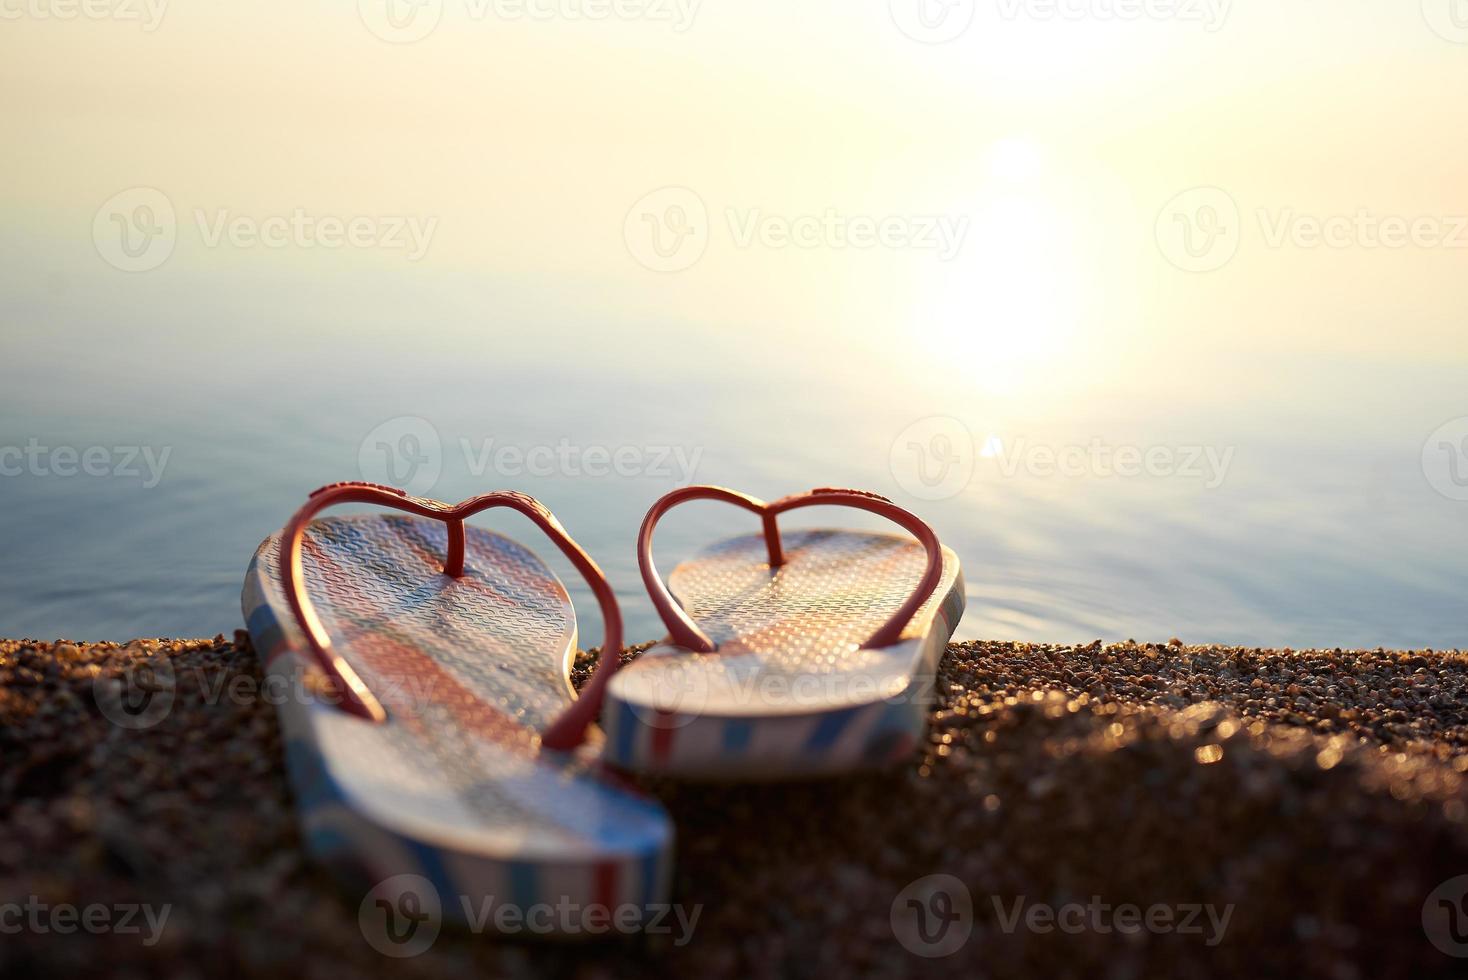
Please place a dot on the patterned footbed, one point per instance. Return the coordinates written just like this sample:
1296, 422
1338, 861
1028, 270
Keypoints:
834, 590
807, 618
469, 670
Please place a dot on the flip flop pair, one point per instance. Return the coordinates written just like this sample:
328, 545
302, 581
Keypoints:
432, 730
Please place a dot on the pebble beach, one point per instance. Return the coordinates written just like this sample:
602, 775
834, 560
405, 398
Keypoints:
1309, 803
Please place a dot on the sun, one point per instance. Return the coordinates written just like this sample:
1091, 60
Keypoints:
1005, 308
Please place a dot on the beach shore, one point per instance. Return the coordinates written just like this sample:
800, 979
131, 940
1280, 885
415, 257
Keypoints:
1308, 803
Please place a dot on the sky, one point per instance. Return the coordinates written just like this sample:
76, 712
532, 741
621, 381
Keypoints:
526, 131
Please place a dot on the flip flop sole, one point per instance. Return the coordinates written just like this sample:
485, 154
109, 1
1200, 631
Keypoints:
790, 691
452, 786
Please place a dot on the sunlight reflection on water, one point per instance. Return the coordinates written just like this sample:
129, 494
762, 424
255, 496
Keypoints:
1325, 541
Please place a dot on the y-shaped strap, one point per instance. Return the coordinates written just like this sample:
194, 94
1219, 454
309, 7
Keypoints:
681, 628
568, 730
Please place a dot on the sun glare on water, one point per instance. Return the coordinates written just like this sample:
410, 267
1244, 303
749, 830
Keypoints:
1006, 305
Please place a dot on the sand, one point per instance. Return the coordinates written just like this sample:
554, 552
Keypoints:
1320, 794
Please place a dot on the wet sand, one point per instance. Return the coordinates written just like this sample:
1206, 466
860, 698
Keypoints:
1321, 794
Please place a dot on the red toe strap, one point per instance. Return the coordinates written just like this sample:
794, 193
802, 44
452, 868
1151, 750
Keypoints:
681, 628
565, 732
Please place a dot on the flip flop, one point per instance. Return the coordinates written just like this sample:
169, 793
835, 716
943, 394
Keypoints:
423, 673
816, 654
